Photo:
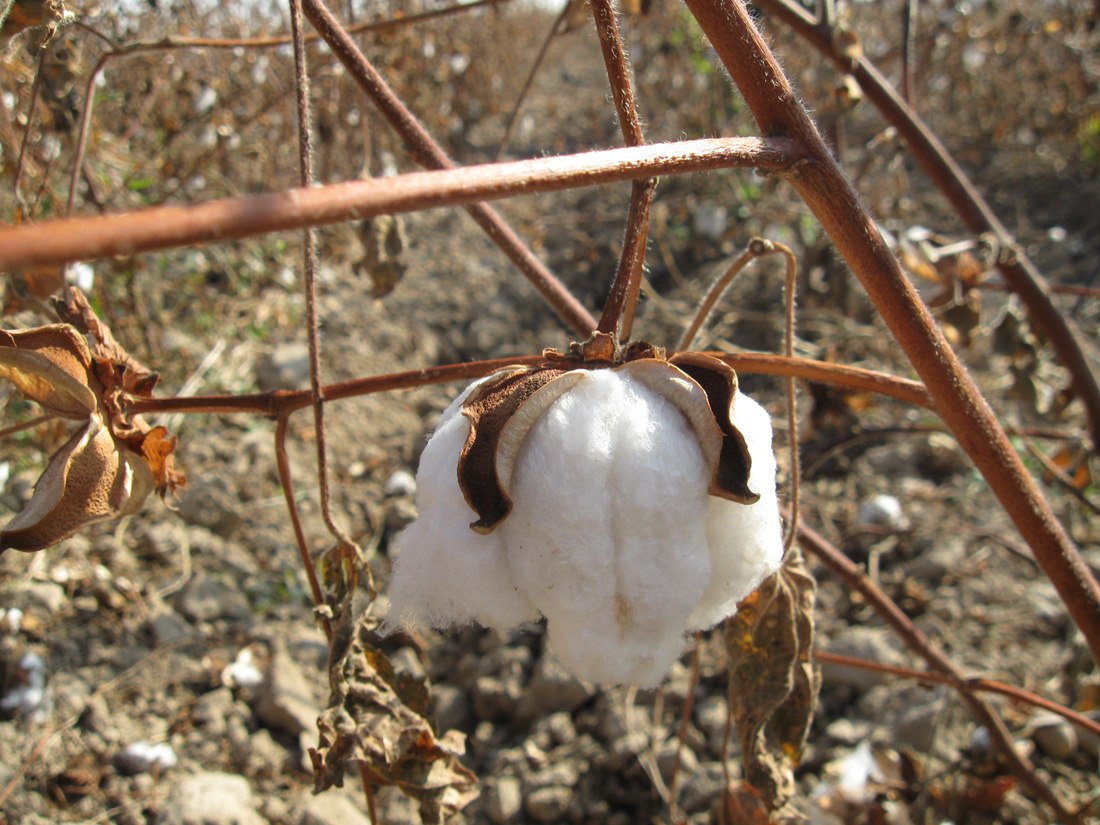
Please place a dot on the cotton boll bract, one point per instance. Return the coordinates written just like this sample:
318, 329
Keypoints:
612, 535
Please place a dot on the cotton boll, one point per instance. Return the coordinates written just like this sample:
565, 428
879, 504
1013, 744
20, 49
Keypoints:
445, 573
606, 535
745, 541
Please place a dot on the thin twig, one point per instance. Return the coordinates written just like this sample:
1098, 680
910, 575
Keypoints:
283, 402
368, 791
32, 109
309, 251
426, 152
26, 425
1056, 473
282, 462
164, 227
982, 685
618, 312
908, 46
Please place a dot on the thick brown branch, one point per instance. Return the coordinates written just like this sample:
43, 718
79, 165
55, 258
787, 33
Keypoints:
832, 199
164, 227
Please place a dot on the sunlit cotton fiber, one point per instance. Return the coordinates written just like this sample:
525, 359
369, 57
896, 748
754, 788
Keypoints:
612, 537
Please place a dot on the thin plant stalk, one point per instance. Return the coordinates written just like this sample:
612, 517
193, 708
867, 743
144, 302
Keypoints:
825, 190
32, 110
618, 312
305, 159
282, 462
977, 684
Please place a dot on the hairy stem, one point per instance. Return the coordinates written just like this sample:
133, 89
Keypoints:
163, 227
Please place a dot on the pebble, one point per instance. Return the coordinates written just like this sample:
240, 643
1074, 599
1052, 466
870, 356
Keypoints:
882, 511
504, 800
285, 700
552, 688
495, 698
332, 809
400, 483
875, 644
145, 756
666, 759
210, 798
168, 626
450, 707
211, 710
1054, 736
1090, 742
286, 367
205, 599
548, 804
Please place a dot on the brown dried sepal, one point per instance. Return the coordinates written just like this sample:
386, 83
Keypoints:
504, 408
772, 681
50, 366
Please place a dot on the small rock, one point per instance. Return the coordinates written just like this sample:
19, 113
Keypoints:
211, 710
450, 707
400, 483
168, 626
212, 503
563, 773
50, 598
494, 698
285, 700
548, 804
210, 799
266, 756
561, 728
1054, 736
624, 750
875, 644
848, 731
1089, 741
205, 599
552, 688
332, 809
504, 800
702, 788
285, 368
145, 756
666, 759
882, 511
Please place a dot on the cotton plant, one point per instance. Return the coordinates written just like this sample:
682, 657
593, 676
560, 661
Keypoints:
627, 497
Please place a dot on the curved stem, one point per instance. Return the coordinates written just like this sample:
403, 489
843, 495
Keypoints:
981, 685
287, 482
975, 213
830, 196
163, 227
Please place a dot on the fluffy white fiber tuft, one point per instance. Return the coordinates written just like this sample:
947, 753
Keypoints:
612, 536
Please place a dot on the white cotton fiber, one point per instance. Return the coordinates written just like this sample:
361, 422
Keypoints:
612, 535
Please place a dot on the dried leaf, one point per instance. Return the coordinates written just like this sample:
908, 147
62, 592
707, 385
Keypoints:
50, 366
379, 717
86, 481
157, 450
772, 681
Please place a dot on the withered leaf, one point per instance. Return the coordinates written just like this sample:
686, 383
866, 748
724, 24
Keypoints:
86, 481
50, 366
157, 449
379, 718
772, 681
740, 805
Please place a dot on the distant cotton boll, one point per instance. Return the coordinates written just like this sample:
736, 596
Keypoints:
882, 511
612, 536
82, 276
